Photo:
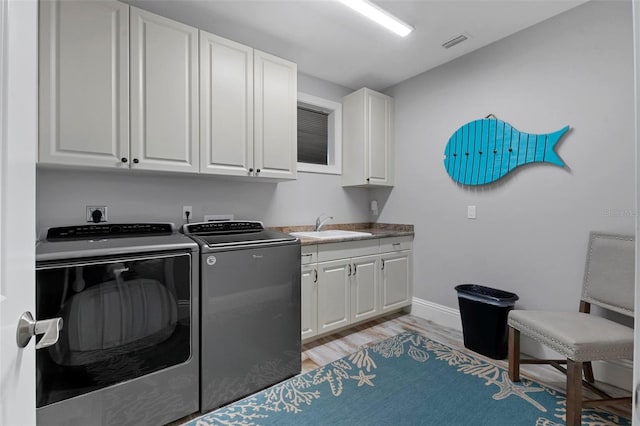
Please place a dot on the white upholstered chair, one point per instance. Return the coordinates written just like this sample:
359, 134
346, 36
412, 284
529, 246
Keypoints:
581, 337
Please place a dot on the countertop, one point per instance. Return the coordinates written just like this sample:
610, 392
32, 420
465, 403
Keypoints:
377, 230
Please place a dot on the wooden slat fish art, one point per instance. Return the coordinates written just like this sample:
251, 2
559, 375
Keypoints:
485, 150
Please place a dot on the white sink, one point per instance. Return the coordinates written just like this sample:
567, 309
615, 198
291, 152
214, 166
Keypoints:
329, 234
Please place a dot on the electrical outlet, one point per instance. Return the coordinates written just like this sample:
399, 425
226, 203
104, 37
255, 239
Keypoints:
185, 210
96, 214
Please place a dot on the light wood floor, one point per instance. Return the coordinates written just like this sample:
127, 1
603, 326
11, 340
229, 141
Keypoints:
331, 348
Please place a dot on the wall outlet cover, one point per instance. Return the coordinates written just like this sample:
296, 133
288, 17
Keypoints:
471, 212
185, 210
96, 214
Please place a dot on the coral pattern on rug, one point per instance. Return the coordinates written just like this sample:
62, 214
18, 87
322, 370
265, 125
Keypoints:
285, 402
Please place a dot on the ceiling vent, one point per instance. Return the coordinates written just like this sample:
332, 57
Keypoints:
455, 40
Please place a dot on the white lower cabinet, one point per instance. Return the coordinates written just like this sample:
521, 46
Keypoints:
333, 295
354, 281
395, 280
309, 306
364, 288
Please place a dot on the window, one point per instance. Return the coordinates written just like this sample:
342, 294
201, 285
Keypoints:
319, 135
312, 136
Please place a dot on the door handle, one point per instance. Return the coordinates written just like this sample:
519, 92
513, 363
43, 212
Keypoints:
355, 269
28, 327
315, 279
349, 270
383, 264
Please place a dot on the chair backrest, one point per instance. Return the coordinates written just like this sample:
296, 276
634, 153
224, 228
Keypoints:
609, 277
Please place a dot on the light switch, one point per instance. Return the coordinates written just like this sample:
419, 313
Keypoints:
471, 212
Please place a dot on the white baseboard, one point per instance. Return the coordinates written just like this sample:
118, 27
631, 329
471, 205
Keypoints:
617, 373
440, 314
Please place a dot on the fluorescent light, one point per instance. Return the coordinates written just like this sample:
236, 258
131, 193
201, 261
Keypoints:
380, 16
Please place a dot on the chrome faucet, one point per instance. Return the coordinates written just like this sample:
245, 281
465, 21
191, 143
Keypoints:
320, 221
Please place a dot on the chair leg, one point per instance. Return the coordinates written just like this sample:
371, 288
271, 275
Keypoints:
588, 372
514, 354
574, 393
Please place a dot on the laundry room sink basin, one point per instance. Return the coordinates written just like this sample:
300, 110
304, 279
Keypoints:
330, 234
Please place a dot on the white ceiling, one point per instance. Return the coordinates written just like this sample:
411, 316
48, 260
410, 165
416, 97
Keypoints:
330, 41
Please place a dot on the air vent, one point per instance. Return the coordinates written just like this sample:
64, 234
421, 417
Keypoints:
455, 40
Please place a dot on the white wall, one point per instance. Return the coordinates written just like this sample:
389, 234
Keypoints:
133, 196
531, 232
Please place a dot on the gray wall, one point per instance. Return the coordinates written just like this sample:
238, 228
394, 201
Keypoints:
531, 231
62, 194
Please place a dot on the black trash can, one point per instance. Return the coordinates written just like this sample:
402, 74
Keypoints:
484, 312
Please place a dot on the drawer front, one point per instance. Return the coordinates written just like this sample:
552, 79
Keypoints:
388, 245
347, 249
309, 254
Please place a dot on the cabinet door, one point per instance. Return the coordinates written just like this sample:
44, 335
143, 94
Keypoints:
275, 125
333, 295
164, 93
364, 288
226, 106
395, 280
379, 130
309, 306
84, 83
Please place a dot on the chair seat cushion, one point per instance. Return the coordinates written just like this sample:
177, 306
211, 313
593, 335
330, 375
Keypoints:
576, 335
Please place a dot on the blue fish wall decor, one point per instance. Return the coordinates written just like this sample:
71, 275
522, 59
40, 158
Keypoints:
485, 150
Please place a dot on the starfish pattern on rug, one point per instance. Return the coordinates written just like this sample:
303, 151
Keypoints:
508, 388
364, 379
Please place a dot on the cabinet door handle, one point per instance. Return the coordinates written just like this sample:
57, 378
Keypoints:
383, 264
257, 171
124, 159
136, 161
250, 170
349, 270
315, 279
355, 269
307, 254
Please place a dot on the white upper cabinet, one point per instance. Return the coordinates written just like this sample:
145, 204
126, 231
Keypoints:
164, 93
226, 106
367, 141
84, 83
248, 107
125, 88
275, 118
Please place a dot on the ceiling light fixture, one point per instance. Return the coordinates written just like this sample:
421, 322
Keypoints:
380, 16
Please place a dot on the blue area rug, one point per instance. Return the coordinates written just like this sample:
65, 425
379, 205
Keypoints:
405, 380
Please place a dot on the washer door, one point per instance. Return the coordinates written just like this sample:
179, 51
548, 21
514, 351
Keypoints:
123, 318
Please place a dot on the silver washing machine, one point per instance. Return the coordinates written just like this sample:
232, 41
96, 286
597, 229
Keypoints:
250, 327
128, 351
